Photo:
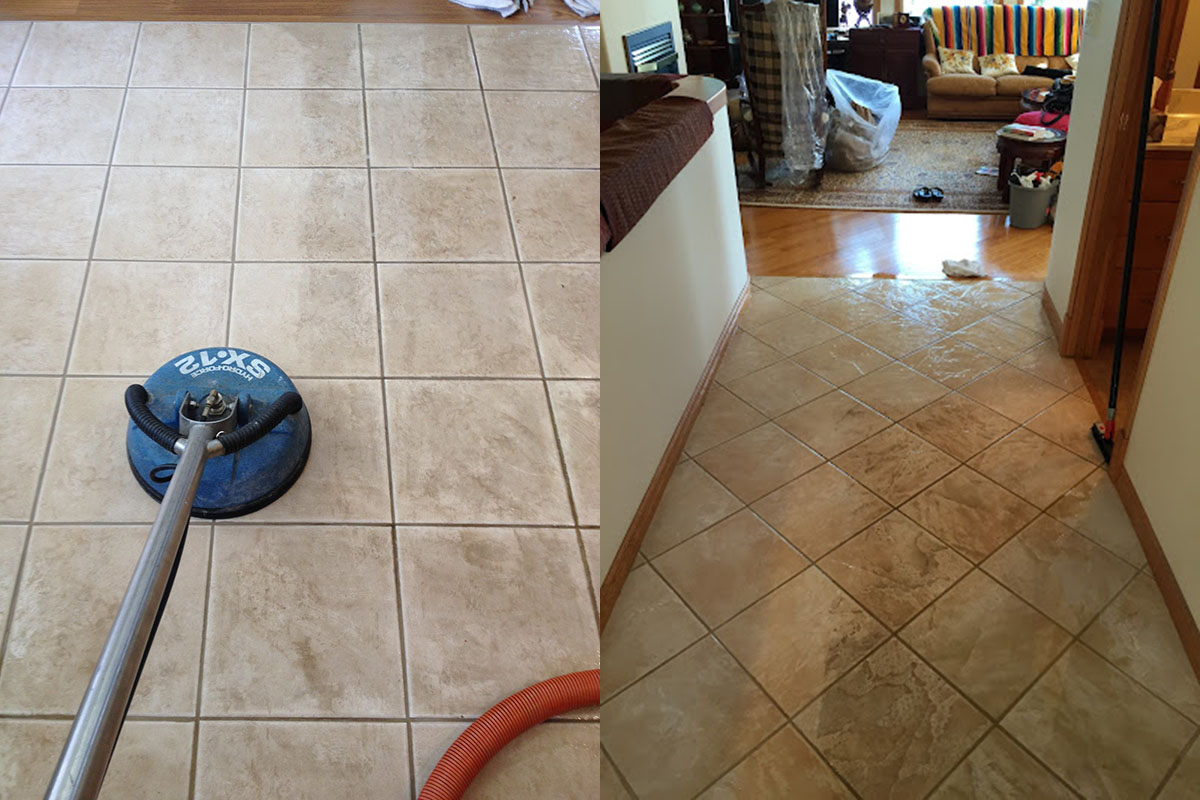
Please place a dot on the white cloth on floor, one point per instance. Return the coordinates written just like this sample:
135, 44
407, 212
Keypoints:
584, 8
963, 268
505, 7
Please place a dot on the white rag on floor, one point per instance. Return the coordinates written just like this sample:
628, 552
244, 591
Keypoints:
505, 7
963, 268
584, 8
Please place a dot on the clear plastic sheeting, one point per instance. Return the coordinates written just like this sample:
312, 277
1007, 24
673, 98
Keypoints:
865, 115
801, 41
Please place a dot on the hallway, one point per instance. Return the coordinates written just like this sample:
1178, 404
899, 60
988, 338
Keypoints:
892, 556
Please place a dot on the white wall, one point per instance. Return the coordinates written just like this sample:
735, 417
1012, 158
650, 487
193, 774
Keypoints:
619, 17
1163, 460
1188, 59
666, 292
1091, 84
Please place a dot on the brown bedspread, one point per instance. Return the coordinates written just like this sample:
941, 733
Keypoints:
642, 153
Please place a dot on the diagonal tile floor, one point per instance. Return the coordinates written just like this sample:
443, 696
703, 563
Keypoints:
366, 204
889, 567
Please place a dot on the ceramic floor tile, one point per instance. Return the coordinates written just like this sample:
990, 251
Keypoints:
729, 566
722, 417
744, 355
1069, 423
1034, 468
304, 215
649, 624
669, 734
49, 212
945, 312
38, 300
1136, 634
531, 57
777, 769
763, 307
900, 294
951, 362
991, 295
767, 281
455, 319
151, 759
898, 336
802, 637
419, 215
554, 213
519, 769
970, 513
300, 760
892, 727
958, 425
1012, 392
168, 213
12, 544
12, 41
692, 501
576, 407
999, 769
894, 568
986, 641
440, 472
779, 387
304, 56
545, 129
304, 128
1093, 508
418, 57
591, 555
611, 786
24, 440
181, 127
323, 638
1044, 361
848, 311
346, 477
804, 292
1107, 736
1064, 574
103, 340
519, 598
895, 464
320, 319
59, 126
77, 54
895, 390
841, 360
565, 301
820, 510
1184, 783
71, 586
795, 332
591, 40
758, 461
190, 54
87, 473
832, 423
999, 337
1028, 313
410, 128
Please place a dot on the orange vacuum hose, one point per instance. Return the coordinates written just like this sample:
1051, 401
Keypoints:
504, 722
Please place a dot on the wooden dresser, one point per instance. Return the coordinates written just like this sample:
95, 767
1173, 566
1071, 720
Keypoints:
1162, 186
892, 55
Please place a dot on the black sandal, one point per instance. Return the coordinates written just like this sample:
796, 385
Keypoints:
937, 194
923, 194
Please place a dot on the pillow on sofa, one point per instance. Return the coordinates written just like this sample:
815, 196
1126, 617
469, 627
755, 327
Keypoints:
1073, 61
956, 62
998, 64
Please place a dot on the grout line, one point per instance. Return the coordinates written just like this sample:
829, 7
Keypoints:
212, 536
59, 717
12, 76
156, 86
593, 587
300, 167
237, 192
18, 258
1174, 768
604, 755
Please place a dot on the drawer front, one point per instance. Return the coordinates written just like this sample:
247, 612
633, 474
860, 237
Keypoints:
1143, 286
1156, 222
1163, 180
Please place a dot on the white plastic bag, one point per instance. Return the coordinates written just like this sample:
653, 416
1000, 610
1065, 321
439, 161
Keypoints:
865, 117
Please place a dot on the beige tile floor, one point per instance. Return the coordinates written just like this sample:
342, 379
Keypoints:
388, 212
889, 565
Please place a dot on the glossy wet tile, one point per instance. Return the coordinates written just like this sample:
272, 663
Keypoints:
1044, 361
951, 362
820, 510
841, 359
1012, 392
848, 311
898, 336
804, 292
895, 390
999, 337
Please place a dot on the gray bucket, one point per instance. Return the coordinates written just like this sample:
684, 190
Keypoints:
1027, 207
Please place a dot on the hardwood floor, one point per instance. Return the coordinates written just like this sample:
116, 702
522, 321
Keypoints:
543, 11
815, 242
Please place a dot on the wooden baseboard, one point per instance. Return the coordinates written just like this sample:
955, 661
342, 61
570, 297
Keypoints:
1052, 314
623, 562
1172, 595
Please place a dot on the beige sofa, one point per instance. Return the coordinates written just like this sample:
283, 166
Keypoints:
962, 96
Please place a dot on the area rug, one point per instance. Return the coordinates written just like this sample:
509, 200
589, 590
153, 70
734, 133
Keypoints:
923, 153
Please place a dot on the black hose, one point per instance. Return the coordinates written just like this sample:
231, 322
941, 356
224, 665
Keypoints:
262, 422
143, 417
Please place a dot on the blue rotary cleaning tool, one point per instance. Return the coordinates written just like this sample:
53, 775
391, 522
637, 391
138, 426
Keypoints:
213, 433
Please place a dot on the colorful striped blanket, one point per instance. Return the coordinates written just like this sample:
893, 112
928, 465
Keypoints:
1020, 30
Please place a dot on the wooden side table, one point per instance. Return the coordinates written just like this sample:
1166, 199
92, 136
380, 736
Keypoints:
1030, 152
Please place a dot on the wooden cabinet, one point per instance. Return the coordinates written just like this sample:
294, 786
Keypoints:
892, 55
706, 40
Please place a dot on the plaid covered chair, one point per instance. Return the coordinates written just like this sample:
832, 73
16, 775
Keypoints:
763, 69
